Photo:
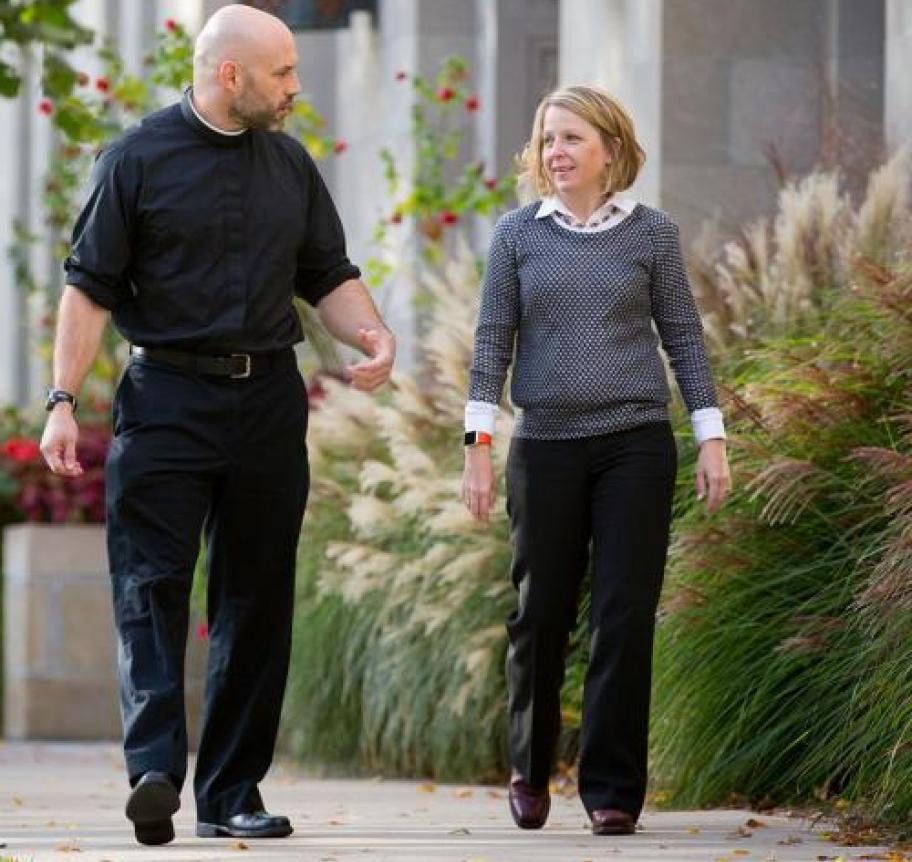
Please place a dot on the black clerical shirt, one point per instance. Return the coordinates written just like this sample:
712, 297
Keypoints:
199, 240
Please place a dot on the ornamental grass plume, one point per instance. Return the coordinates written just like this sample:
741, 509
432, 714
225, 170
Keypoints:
400, 640
784, 651
778, 271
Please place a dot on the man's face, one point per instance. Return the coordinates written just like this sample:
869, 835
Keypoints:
268, 86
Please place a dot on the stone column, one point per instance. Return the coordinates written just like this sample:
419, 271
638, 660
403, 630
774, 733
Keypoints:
516, 65
617, 44
359, 116
898, 82
15, 147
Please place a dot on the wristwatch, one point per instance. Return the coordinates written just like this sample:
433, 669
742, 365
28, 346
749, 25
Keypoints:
477, 438
55, 396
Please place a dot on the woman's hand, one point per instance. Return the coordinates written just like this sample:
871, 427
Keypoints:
478, 482
713, 475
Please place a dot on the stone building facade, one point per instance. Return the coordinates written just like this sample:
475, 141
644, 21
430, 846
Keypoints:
728, 95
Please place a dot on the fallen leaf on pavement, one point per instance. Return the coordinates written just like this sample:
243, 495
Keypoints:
754, 823
68, 847
465, 793
791, 839
693, 830
427, 787
239, 845
460, 831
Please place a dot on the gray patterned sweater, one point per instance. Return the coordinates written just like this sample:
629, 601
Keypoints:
574, 313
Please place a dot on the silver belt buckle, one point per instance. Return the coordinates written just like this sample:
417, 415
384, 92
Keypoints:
246, 372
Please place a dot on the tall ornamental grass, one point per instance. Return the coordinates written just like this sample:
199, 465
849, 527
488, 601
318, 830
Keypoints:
784, 651
400, 643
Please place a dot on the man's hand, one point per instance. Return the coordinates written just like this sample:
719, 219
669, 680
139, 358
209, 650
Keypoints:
58, 443
380, 346
713, 475
479, 488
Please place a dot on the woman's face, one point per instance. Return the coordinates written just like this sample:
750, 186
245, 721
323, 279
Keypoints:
573, 153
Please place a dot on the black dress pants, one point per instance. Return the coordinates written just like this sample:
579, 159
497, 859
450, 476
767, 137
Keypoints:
608, 498
195, 455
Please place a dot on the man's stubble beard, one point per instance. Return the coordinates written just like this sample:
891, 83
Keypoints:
254, 112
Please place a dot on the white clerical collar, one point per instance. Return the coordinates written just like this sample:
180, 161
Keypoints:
232, 134
619, 200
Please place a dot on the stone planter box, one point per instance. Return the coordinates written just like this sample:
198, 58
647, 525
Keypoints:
59, 653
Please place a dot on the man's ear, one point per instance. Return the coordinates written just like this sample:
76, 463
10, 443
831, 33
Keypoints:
229, 75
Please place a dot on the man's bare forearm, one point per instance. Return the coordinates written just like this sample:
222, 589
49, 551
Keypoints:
80, 326
347, 310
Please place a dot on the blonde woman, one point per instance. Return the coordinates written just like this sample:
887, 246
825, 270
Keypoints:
574, 284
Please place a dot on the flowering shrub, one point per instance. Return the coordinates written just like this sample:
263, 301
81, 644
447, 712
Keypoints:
443, 186
30, 492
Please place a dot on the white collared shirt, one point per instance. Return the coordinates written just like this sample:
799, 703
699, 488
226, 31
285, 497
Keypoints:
228, 134
707, 422
608, 215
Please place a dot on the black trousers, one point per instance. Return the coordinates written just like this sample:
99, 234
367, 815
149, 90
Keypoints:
608, 498
192, 456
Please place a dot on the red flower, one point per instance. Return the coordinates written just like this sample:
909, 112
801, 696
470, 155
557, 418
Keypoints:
21, 449
340, 147
171, 25
316, 391
46, 106
396, 217
445, 94
471, 104
202, 631
490, 183
448, 217
401, 76
102, 85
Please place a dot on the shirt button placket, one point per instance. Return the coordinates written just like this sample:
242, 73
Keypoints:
236, 301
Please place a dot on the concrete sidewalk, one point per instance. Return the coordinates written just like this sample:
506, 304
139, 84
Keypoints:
61, 799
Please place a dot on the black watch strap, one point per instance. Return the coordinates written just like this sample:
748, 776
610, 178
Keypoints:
55, 396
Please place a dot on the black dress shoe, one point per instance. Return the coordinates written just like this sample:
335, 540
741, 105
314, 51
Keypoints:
151, 803
255, 824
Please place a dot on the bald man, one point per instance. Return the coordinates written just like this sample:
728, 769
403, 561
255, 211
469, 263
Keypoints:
201, 226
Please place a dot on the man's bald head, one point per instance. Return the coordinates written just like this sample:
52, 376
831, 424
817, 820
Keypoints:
238, 33
245, 60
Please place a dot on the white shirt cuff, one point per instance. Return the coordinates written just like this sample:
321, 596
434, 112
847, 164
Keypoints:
707, 424
480, 416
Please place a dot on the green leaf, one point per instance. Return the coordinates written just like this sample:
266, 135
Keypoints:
9, 81
76, 120
58, 79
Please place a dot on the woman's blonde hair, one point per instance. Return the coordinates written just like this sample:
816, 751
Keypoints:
598, 108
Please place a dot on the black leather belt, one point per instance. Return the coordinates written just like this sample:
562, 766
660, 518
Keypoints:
236, 366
